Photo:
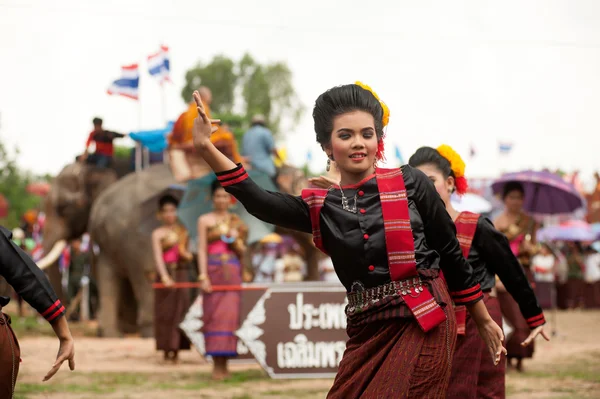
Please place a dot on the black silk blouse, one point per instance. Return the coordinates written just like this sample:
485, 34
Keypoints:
27, 279
356, 241
490, 255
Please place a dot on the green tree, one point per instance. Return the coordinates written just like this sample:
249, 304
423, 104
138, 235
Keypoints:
13, 185
220, 76
265, 89
122, 152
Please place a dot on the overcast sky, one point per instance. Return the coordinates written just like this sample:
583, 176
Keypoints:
460, 72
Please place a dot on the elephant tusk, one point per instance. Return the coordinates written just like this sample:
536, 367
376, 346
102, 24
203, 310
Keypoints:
53, 255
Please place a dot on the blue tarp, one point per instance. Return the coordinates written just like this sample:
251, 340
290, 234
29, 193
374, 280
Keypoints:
154, 140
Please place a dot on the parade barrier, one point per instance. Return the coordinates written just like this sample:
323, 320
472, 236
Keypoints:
293, 330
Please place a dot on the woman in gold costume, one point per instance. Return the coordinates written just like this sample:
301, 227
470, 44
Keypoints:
169, 243
221, 245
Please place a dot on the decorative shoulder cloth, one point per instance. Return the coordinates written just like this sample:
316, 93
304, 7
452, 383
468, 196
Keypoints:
315, 198
466, 226
400, 246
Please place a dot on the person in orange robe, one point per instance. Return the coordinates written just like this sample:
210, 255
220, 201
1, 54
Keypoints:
185, 164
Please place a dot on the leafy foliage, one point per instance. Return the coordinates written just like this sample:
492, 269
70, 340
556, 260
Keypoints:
264, 89
13, 186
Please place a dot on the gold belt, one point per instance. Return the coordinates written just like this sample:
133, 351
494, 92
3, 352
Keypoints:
360, 299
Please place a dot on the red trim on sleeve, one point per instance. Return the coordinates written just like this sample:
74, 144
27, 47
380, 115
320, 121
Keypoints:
235, 181
474, 288
466, 300
51, 308
231, 175
56, 314
536, 321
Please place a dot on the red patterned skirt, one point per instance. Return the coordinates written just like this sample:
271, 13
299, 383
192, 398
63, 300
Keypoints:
10, 357
222, 308
473, 372
389, 356
170, 307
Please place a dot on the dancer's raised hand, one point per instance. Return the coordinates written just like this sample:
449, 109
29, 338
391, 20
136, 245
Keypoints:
203, 125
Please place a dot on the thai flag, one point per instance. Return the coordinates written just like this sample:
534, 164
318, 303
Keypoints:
159, 65
505, 147
128, 84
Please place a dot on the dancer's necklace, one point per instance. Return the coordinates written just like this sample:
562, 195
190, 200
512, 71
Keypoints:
345, 205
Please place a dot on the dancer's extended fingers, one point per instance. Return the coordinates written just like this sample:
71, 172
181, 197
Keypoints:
546, 336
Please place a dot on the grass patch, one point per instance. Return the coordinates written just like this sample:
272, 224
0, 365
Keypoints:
583, 370
296, 393
105, 383
30, 326
34, 326
24, 389
581, 375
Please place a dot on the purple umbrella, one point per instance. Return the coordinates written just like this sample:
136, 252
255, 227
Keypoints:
545, 193
573, 230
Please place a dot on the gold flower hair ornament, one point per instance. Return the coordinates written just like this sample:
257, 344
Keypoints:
380, 155
457, 165
386, 111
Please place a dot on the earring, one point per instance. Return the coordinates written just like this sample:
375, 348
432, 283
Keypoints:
328, 164
375, 164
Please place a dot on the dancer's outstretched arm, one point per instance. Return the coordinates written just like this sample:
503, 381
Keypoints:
272, 207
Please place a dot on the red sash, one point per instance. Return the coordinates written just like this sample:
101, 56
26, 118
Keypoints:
315, 198
399, 242
466, 225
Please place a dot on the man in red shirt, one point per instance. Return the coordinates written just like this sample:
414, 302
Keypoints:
104, 145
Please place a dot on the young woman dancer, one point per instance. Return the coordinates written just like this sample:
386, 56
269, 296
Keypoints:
520, 230
221, 246
388, 233
172, 262
489, 253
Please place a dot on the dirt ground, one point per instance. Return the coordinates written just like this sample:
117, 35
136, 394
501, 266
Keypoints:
566, 367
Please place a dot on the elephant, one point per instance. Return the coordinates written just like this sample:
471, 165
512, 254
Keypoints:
67, 208
124, 266
112, 211
84, 198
